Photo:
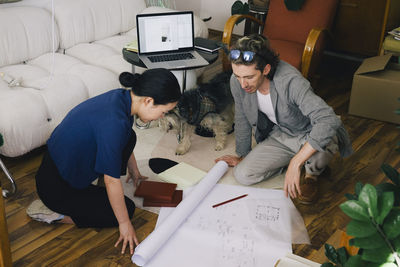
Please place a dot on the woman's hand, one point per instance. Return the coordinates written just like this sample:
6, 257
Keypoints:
135, 176
133, 171
230, 159
115, 194
127, 235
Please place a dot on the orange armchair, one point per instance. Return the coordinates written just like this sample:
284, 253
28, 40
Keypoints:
297, 36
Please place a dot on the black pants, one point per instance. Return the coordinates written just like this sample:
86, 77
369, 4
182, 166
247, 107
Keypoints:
88, 207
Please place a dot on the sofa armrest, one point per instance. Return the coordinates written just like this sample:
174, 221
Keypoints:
227, 34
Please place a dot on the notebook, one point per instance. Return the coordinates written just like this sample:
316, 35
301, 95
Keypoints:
166, 40
183, 174
207, 45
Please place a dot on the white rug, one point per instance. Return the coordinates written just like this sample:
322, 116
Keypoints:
201, 155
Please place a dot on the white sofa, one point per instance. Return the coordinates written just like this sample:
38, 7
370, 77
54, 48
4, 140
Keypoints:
49, 66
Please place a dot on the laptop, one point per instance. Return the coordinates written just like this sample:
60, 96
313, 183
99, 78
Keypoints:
166, 40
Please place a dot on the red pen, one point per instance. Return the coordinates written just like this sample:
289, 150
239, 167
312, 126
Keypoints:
230, 200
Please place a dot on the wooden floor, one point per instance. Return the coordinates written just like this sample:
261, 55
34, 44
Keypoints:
38, 244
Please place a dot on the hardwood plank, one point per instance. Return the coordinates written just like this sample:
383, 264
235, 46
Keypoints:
22, 255
334, 240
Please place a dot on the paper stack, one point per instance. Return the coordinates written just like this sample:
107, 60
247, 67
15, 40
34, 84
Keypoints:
132, 46
291, 260
183, 174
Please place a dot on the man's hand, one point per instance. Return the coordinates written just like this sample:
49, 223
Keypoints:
135, 176
127, 235
292, 176
230, 159
292, 181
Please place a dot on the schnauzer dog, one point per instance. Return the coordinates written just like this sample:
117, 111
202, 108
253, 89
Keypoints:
209, 107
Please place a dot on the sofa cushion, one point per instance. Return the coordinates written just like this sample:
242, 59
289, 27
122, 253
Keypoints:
97, 80
100, 55
91, 20
23, 120
50, 86
22, 40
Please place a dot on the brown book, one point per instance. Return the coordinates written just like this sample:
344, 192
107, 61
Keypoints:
156, 191
176, 199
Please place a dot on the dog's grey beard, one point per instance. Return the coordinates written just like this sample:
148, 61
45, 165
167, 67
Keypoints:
170, 121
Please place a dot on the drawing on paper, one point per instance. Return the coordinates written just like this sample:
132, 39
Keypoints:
266, 213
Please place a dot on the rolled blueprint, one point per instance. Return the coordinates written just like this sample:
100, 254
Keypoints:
145, 251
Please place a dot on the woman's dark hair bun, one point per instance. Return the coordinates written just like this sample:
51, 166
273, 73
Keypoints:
128, 79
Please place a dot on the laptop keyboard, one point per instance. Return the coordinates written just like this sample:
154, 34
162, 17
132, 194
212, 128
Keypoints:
171, 57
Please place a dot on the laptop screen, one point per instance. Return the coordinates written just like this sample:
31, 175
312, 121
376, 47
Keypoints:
163, 32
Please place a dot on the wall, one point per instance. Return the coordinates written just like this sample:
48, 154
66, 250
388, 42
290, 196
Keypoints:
219, 10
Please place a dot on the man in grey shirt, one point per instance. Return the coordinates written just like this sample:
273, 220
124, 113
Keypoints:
292, 126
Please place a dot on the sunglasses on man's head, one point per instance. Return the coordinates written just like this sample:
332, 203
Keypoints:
246, 55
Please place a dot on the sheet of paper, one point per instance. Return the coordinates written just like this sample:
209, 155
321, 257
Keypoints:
254, 231
182, 174
291, 260
157, 239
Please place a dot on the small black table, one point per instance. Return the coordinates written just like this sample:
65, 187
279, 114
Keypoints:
133, 58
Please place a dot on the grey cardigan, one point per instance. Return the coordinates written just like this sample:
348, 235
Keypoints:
298, 111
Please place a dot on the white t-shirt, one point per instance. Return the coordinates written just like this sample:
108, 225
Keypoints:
265, 105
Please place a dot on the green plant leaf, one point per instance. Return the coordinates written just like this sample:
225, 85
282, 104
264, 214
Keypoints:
396, 245
385, 204
379, 255
327, 264
351, 196
391, 173
358, 188
355, 210
360, 229
355, 261
371, 242
390, 187
331, 253
385, 187
342, 255
391, 225
388, 264
369, 197
397, 197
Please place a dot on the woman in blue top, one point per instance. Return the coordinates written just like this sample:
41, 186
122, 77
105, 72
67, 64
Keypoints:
96, 139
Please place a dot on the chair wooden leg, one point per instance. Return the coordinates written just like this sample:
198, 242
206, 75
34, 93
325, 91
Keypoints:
5, 251
6, 193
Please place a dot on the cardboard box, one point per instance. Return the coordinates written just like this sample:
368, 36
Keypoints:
376, 90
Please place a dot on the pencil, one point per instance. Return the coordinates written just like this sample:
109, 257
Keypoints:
230, 200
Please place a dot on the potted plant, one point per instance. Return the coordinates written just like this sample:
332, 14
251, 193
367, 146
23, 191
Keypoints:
375, 225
